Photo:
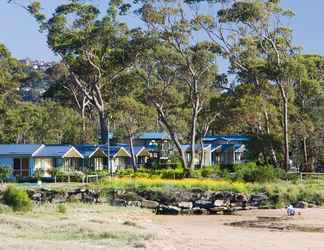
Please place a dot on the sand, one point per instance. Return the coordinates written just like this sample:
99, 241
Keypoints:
105, 227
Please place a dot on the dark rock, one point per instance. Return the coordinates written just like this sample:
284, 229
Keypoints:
185, 211
257, 200
229, 211
199, 211
301, 204
167, 210
203, 204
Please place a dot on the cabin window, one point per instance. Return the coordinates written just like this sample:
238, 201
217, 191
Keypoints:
21, 167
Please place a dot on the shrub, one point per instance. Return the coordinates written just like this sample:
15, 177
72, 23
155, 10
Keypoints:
5, 173
39, 173
4, 209
76, 176
125, 172
172, 173
61, 208
17, 199
251, 172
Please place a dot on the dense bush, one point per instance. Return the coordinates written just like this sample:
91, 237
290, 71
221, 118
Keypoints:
17, 199
251, 172
5, 173
206, 172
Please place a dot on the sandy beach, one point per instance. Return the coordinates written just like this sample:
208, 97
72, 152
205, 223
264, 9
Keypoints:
105, 227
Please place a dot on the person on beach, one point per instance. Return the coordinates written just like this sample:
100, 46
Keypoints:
291, 210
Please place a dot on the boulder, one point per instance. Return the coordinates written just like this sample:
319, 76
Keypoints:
134, 203
204, 204
118, 203
149, 204
185, 205
257, 200
74, 197
301, 204
167, 210
219, 203
229, 211
90, 196
199, 211
185, 211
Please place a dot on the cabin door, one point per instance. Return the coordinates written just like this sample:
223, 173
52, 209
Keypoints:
16, 168
25, 167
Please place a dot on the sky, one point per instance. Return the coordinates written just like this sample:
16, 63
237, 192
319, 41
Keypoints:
19, 32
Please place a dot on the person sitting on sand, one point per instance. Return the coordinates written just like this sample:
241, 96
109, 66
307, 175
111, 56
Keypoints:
291, 210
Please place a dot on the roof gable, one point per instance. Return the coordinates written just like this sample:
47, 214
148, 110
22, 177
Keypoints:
61, 151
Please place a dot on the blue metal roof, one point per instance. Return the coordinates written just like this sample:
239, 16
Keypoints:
151, 148
53, 151
87, 150
18, 149
228, 138
112, 149
137, 149
154, 136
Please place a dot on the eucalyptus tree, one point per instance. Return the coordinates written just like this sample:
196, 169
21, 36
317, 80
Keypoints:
93, 47
258, 45
308, 99
181, 63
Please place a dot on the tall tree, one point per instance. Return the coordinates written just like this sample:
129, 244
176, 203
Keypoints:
257, 44
93, 48
190, 64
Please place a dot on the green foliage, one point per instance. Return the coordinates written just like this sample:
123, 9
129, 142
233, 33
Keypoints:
170, 173
39, 173
17, 199
74, 176
61, 208
5, 173
251, 172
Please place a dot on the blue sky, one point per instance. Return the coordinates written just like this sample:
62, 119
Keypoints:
19, 32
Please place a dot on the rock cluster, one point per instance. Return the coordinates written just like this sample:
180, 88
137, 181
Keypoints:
163, 201
177, 201
55, 196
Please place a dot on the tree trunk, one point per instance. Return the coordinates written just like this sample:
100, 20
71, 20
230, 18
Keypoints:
134, 163
83, 109
202, 154
193, 137
174, 136
181, 152
272, 151
286, 135
284, 96
306, 166
103, 127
